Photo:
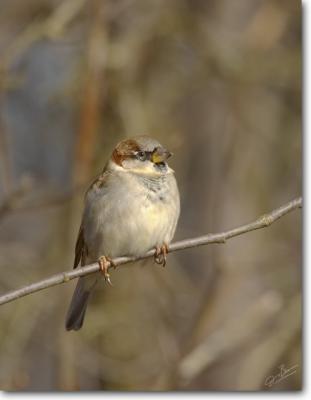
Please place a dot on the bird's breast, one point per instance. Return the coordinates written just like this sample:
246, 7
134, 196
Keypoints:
132, 221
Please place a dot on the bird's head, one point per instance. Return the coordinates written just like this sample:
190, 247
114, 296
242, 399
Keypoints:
141, 155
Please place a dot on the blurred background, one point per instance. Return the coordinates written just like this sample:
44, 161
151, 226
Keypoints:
218, 82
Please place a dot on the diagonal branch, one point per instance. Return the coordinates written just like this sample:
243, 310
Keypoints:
262, 222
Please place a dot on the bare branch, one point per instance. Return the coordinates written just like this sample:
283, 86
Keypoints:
261, 222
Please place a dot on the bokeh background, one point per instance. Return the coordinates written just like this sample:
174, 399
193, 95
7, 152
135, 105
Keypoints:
219, 83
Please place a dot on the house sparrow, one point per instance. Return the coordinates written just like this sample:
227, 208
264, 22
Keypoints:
132, 207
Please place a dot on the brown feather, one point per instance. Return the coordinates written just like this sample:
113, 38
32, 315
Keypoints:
124, 149
80, 250
99, 181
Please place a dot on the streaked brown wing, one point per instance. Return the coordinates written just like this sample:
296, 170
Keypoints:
80, 249
99, 181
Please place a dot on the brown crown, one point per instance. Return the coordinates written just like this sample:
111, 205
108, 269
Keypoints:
124, 150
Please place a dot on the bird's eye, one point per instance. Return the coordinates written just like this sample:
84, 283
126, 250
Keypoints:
141, 155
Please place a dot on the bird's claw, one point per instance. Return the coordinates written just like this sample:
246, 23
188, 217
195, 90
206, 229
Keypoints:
104, 264
160, 254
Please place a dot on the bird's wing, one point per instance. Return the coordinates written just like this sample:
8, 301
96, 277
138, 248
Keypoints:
80, 249
99, 181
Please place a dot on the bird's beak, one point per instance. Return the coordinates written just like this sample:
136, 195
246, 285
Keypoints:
160, 155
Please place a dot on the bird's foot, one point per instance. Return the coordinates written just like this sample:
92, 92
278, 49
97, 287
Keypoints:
160, 254
104, 264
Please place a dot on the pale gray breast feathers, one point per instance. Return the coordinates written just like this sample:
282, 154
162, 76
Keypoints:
130, 214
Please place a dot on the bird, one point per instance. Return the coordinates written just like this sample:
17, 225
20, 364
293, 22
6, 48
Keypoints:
132, 206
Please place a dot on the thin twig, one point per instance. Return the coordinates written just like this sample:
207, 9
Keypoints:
64, 277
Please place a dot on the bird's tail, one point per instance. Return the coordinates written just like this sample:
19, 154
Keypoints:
79, 301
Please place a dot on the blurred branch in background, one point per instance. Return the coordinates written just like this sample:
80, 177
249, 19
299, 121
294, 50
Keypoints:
229, 337
236, 332
11, 201
52, 27
262, 222
92, 92
5, 167
17, 201
270, 350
